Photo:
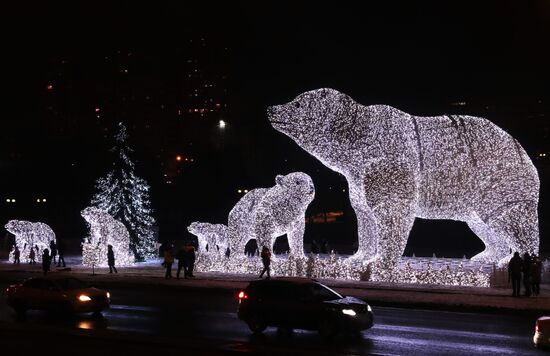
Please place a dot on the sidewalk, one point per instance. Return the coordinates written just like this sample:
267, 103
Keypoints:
151, 275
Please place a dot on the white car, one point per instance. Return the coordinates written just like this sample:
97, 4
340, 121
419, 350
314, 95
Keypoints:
542, 332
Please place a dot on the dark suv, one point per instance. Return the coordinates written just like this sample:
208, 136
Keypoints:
303, 304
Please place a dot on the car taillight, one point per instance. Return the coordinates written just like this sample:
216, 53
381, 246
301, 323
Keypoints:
242, 295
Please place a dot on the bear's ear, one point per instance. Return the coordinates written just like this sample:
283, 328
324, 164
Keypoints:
279, 180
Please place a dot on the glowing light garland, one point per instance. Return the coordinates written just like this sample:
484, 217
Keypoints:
125, 196
105, 230
264, 214
399, 166
29, 235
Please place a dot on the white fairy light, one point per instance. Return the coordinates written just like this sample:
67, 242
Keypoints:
264, 214
105, 230
399, 166
30, 235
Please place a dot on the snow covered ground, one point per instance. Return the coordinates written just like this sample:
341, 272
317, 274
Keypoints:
150, 274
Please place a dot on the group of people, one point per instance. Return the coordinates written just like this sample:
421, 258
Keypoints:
186, 256
529, 268
48, 255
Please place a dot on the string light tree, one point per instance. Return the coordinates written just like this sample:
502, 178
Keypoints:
125, 197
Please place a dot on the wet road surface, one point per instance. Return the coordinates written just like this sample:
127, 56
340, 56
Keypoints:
208, 317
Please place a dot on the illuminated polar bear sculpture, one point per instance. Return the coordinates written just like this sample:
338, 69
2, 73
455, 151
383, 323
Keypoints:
399, 166
30, 235
105, 230
266, 213
212, 235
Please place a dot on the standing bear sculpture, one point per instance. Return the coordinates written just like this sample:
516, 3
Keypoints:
30, 235
400, 166
266, 213
105, 230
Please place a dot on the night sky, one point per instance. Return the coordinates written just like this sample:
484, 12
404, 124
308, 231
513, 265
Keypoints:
426, 58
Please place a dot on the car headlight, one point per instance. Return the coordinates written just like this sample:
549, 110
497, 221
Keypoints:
369, 308
349, 312
108, 295
84, 298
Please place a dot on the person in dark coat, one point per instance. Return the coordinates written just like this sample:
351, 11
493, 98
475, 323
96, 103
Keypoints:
46, 261
32, 257
526, 269
168, 261
53, 251
111, 259
190, 257
514, 274
266, 261
60, 252
182, 262
536, 271
16, 255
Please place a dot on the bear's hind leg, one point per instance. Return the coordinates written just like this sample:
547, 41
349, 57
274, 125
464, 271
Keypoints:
496, 246
518, 223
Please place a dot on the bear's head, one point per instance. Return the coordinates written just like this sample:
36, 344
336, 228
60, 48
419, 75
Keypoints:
197, 228
298, 184
93, 215
17, 227
321, 121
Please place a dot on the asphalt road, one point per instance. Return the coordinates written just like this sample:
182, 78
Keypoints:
205, 319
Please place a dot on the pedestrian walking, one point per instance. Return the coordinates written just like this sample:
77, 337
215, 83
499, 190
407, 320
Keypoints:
32, 257
266, 261
111, 259
190, 257
168, 260
53, 251
182, 263
514, 274
60, 252
526, 269
16, 255
46, 261
536, 272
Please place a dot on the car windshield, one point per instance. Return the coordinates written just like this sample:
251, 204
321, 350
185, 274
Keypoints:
71, 284
322, 292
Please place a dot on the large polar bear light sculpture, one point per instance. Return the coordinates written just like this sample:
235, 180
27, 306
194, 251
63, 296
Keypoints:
105, 230
30, 235
399, 166
266, 213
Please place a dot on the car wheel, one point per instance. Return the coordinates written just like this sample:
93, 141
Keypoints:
256, 324
20, 307
327, 329
65, 308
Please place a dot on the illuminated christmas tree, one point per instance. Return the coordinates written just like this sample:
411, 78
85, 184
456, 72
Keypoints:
125, 197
